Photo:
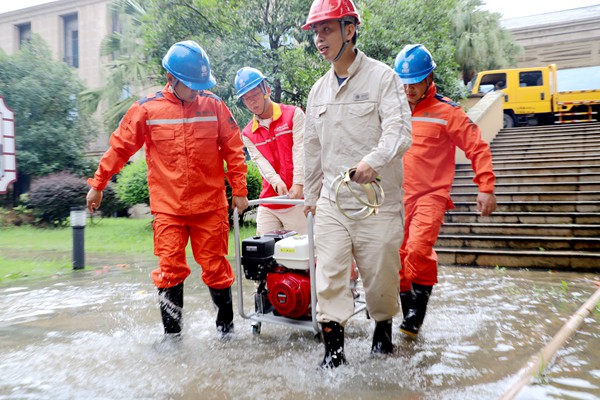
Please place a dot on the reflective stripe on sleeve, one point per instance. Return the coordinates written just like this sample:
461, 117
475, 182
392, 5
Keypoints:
432, 120
178, 121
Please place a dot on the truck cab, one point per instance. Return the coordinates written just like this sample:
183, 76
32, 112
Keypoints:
527, 93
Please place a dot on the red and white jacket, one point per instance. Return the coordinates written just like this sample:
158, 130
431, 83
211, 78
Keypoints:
277, 150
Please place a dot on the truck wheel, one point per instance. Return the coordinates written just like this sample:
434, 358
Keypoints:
509, 121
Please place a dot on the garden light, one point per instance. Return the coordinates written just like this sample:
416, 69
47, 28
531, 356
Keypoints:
78, 216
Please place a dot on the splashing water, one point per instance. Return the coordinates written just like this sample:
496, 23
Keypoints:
98, 336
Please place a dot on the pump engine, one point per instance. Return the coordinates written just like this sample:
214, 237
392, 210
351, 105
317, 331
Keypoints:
281, 266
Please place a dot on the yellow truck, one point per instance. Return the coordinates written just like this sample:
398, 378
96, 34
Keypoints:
545, 95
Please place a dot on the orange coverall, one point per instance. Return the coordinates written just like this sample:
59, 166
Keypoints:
186, 145
438, 126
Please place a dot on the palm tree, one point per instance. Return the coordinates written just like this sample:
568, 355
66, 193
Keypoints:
481, 42
127, 69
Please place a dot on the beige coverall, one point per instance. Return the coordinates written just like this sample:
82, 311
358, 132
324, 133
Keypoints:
366, 118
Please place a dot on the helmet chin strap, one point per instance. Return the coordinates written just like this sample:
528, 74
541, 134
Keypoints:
339, 55
426, 89
175, 82
265, 97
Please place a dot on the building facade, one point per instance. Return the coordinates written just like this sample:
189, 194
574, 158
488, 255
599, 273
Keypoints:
569, 38
74, 30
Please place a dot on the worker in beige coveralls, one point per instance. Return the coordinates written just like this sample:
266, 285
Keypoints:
357, 116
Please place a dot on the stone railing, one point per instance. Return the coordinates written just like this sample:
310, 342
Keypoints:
487, 113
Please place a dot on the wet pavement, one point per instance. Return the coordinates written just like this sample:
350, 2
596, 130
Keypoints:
96, 334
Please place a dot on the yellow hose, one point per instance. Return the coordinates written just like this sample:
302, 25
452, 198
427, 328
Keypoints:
538, 362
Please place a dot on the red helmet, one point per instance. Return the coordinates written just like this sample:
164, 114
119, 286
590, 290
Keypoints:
323, 10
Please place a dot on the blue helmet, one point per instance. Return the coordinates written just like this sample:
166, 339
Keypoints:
246, 79
413, 63
188, 62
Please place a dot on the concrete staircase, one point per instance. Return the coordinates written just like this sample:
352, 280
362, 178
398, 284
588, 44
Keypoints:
548, 193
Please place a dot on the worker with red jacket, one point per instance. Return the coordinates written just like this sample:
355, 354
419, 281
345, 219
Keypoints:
438, 126
188, 134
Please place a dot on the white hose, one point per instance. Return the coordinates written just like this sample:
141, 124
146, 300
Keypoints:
374, 193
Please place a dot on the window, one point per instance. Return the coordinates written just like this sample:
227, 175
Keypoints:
491, 82
24, 33
530, 78
71, 40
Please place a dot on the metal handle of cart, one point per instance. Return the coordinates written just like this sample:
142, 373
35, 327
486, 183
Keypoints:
314, 326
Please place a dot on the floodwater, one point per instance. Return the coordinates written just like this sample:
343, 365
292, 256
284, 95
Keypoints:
96, 334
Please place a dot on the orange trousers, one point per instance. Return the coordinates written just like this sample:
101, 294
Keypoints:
209, 236
423, 220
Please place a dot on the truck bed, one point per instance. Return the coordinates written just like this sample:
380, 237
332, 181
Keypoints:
585, 78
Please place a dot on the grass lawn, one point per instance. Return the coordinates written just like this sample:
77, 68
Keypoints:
30, 252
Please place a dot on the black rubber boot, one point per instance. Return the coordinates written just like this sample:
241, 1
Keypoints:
407, 301
382, 338
413, 321
333, 338
171, 307
224, 304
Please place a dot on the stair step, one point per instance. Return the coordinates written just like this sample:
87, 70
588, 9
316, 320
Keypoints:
548, 130
505, 177
528, 196
559, 169
529, 179
546, 145
556, 260
536, 138
524, 217
519, 242
535, 206
526, 162
586, 189
537, 141
548, 153
478, 228
542, 148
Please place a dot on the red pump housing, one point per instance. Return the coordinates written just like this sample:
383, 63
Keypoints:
289, 293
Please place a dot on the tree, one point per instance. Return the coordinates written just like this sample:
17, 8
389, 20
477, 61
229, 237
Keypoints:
51, 131
481, 42
264, 34
267, 34
389, 25
127, 71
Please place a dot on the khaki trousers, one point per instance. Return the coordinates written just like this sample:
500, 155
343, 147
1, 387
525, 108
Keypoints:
374, 244
289, 219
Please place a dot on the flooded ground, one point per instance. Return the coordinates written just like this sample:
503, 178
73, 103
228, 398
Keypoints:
94, 335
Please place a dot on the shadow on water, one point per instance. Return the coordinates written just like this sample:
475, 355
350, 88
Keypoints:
94, 335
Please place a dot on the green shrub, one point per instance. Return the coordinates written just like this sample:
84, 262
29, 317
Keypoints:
52, 196
132, 184
16, 216
111, 205
254, 184
254, 181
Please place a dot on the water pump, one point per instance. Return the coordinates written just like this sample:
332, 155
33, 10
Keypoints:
283, 264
